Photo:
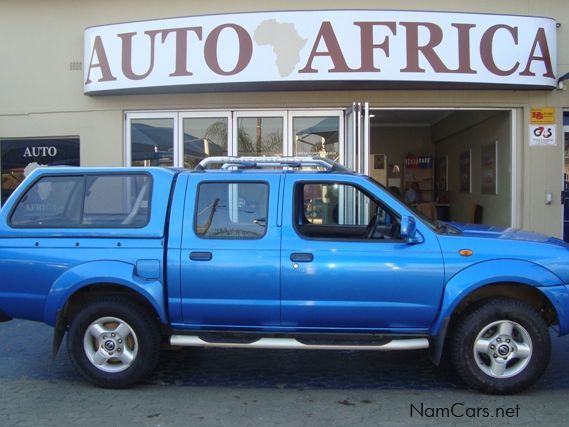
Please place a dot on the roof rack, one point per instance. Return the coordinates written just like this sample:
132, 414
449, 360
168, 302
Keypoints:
264, 162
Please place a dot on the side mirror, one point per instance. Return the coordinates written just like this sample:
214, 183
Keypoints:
409, 230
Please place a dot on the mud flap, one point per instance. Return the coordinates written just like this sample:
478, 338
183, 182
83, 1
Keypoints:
4, 318
59, 332
438, 343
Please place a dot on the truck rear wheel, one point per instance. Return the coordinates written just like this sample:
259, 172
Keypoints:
501, 347
113, 342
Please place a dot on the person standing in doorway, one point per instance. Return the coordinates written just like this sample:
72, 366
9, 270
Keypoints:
413, 194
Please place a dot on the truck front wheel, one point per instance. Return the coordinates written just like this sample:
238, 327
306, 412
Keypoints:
500, 347
113, 342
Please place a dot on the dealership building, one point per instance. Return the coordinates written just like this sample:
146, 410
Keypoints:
465, 101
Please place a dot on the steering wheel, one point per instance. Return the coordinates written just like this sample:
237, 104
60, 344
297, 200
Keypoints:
394, 231
370, 228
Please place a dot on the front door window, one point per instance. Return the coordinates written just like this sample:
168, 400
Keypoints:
331, 210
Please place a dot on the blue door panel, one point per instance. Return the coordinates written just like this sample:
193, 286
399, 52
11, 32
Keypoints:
236, 287
231, 281
357, 284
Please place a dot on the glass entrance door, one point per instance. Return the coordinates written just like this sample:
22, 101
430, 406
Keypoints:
203, 135
317, 134
357, 137
260, 133
565, 194
151, 139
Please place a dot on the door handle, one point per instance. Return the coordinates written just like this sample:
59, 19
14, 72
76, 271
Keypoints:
201, 256
301, 257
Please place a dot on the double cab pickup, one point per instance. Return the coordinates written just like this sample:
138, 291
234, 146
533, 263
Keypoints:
281, 253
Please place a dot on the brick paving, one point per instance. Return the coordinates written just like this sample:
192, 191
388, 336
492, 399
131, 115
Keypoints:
255, 387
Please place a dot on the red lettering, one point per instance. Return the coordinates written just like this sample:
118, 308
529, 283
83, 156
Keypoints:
181, 35
334, 52
424, 50
427, 50
245, 50
486, 52
368, 46
541, 41
103, 64
464, 66
127, 55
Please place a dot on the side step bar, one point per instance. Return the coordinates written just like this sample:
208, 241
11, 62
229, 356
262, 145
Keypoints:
293, 344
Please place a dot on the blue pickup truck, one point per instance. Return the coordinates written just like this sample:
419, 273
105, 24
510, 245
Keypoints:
282, 253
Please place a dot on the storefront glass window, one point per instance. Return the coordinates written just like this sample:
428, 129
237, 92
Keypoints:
152, 141
260, 136
317, 136
204, 137
18, 157
184, 138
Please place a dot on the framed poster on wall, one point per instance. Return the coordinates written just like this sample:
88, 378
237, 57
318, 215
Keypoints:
465, 171
488, 169
378, 168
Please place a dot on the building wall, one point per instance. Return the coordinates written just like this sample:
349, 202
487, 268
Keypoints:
397, 142
42, 94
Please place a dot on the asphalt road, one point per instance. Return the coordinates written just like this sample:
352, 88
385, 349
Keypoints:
225, 387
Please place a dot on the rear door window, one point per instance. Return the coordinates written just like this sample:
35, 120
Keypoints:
232, 210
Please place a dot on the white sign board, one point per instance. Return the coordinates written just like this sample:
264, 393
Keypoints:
541, 135
324, 46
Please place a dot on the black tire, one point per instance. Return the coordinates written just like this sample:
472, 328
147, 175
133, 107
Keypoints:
113, 342
512, 361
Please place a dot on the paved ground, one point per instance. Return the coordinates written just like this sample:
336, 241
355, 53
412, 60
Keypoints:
223, 387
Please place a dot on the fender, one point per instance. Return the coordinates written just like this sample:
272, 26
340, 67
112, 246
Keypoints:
112, 272
488, 272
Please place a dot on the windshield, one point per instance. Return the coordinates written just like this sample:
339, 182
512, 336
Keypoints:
437, 226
